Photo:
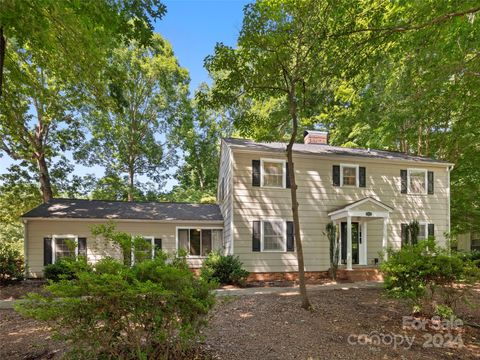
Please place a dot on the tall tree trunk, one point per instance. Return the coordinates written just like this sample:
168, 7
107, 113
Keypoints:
3, 49
131, 187
44, 178
293, 192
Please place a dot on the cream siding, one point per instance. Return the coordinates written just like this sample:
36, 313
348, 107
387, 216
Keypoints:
226, 204
98, 248
317, 197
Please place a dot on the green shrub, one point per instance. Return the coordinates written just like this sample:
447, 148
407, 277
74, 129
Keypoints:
152, 310
223, 269
473, 256
11, 264
66, 268
428, 275
333, 239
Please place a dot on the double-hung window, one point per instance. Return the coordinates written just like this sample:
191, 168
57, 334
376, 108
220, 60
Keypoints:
475, 242
274, 235
199, 242
422, 231
273, 173
64, 246
143, 248
349, 175
417, 181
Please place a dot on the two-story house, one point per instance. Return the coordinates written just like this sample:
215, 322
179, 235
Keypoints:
370, 195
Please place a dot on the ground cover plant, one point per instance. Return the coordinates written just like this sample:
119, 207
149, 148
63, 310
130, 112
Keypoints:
153, 309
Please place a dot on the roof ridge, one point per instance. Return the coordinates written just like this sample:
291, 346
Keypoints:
130, 202
330, 149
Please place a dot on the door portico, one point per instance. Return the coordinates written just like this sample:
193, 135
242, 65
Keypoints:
360, 213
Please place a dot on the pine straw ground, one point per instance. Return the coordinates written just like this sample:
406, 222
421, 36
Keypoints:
275, 327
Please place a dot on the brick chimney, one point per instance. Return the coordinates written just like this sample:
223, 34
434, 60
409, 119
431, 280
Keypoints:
315, 137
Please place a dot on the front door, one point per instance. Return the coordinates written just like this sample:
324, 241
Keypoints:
355, 242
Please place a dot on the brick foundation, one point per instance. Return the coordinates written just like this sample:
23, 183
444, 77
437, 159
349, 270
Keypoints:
313, 277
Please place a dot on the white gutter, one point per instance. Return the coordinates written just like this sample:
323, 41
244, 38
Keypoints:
449, 168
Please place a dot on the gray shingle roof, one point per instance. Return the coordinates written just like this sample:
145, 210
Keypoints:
318, 149
102, 209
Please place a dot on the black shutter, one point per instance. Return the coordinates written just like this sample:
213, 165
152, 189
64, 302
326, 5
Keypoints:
157, 245
403, 177
362, 174
47, 251
431, 230
336, 175
290, 236
430, 182
82, 247
404, 234
256, 236
255, 172
288, 175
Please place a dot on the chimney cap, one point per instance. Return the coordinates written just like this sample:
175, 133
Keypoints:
315, 132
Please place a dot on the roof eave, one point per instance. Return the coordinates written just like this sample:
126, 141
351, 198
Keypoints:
240, 148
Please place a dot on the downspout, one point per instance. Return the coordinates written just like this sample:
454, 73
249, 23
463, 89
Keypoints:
449, 168
25, 245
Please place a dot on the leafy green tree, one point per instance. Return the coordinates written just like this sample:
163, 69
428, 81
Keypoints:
148, 97
198, 138
52, 57
285, 52
421, 97
69, 37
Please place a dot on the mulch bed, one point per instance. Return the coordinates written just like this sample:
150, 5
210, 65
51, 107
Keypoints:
16, 290
275, 327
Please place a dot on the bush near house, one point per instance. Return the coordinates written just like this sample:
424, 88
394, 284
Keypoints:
435, 280
66, 268
471, 256
11, 264
223, 269
152, 310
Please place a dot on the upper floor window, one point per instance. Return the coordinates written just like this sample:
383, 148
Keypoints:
417, 181
349, 175
273, 173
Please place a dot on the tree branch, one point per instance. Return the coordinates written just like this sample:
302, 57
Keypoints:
408, 27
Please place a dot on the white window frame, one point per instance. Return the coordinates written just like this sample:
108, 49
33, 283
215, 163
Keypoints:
357, 173
196, 228
420, 224
152, 243
54, 244
408, 181
262, 234
284, 173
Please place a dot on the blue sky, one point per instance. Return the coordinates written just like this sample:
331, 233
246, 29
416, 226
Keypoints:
193, 27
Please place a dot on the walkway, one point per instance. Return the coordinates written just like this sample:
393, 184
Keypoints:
295, 290
289, 290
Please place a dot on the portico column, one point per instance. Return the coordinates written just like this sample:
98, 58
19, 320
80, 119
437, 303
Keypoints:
338, 226
384, 239
349, 242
